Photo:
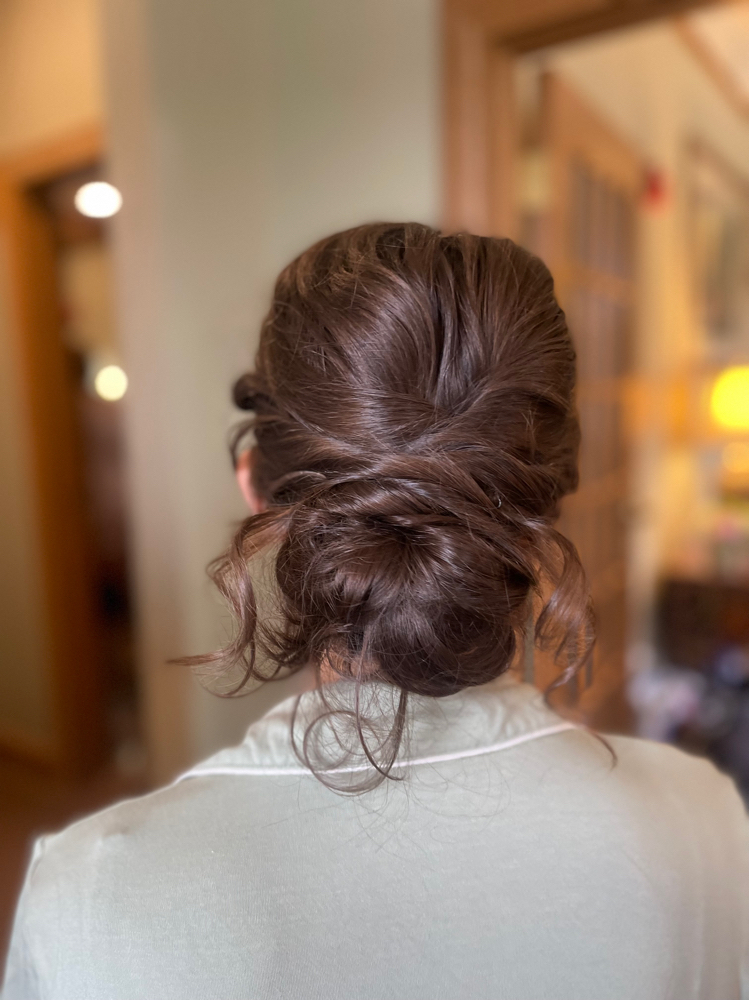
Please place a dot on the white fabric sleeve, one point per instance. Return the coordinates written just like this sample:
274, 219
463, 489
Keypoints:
21, 981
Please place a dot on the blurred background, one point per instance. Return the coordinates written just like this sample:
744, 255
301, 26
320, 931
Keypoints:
159, 163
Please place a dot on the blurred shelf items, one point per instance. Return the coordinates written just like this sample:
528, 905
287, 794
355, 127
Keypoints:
702, 623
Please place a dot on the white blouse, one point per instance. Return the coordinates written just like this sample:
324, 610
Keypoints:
514, 861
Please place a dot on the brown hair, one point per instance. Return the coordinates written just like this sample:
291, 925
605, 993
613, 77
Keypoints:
413, 401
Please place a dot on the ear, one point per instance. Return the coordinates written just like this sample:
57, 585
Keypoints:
243, 473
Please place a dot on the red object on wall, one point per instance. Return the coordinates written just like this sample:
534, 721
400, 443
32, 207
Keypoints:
655, 190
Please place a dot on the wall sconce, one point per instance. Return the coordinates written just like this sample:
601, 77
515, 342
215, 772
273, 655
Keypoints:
729, 399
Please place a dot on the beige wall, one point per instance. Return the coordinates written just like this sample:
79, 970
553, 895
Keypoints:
49, 85
241, 131
49, 70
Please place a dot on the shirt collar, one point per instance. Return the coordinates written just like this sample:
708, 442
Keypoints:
473, 722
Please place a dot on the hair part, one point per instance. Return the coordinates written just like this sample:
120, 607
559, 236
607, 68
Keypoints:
416, 430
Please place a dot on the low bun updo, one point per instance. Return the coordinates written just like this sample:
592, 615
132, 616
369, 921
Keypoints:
413, 410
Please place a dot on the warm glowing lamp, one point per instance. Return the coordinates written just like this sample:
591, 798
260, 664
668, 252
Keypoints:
110, 383
729, 400
98, 200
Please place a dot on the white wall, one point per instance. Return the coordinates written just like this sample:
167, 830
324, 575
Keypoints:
241, 130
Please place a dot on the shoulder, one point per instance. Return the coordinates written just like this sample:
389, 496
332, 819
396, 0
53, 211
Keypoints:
665, 773
71, 856
143, 841
643, 779
636, 752
90, 860
94, 856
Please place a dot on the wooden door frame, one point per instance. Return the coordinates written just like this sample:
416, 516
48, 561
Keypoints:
481, 40
77, 739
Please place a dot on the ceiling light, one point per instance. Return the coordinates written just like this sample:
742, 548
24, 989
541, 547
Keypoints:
98, 200
110, 383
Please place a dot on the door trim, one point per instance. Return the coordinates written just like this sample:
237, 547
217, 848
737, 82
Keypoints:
481, 40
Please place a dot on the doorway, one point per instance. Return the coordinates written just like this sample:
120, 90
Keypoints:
71, 381
532, 155
98, 385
